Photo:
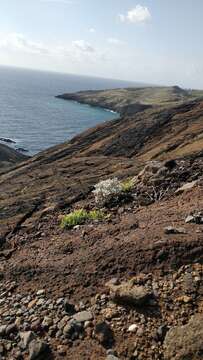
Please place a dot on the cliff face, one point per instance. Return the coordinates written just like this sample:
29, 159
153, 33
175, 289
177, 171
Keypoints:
145, 242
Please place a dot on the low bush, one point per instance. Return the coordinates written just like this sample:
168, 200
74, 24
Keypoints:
127, 185
96, 215
107, 189
78, 217
113, 192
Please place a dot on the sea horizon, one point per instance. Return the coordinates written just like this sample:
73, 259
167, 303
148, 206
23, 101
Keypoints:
34, 119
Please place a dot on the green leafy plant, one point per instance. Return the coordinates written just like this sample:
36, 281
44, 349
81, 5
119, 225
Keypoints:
78, 217
127, 185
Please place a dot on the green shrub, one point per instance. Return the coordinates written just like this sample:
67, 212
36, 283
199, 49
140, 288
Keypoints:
127, 185
76, 217
96, 215
79, 217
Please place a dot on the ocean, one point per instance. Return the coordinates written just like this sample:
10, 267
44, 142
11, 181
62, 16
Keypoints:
34, 119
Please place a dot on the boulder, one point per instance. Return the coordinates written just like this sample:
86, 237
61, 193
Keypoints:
73, 329
38, 350
26, 338
185, 342
83, 316
69, 308
104, 334
129, 294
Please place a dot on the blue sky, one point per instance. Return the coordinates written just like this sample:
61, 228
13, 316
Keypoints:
154, 41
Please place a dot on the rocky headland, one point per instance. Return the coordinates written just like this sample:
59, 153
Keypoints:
127, 285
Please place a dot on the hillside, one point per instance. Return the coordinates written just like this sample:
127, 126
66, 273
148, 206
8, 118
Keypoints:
131, 100
9, 157
55, 301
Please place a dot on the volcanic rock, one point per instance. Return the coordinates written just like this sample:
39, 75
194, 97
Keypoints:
185, 342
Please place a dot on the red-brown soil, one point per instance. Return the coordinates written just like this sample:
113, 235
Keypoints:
76, 264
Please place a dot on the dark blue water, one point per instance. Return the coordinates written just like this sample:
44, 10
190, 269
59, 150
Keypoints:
32, 116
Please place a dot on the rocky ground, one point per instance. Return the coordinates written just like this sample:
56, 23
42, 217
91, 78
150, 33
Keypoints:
127, 287
123, 288
9, 157
148, 320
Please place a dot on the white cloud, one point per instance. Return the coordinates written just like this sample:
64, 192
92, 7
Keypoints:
122, 17
92, 30
15, 41
83, 46
79, 50
139, 14
115, 41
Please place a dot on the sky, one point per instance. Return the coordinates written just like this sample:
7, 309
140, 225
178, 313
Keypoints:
151, 41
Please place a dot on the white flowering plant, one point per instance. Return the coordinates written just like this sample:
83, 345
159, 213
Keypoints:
107, 189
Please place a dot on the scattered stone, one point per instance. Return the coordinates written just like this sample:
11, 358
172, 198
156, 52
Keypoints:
40, 292
110, 312
69, 308
173, 230
73, 330
180, 294
3, 330
61, 350
132, 328
36, 326
161, 332
190, 219
104, 334
186, 187
32, 303
47, 322
111, 352
38, 350
11, 328
59, 301
40, 302
83, 316
195, 218
26, 338
87, 324
1, 349
185, 342
112, 357
185, 299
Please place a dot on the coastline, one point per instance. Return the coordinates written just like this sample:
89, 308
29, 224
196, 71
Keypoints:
71, 98
96, 100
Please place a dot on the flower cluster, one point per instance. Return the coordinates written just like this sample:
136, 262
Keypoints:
106, 189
